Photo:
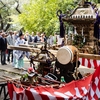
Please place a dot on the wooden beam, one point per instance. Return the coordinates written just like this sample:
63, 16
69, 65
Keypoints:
23, 48
81, 55
89, 56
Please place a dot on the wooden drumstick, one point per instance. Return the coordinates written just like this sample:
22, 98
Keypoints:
76, 71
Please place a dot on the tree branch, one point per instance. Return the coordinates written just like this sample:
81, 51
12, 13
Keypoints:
8, 25
1, 22
2, 4
17, 7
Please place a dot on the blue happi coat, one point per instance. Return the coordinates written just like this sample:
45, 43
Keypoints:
18, 53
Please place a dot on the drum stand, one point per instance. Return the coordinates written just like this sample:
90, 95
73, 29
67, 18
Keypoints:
47, 54
45, 60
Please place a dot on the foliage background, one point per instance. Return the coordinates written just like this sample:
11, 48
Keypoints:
35, 15
40, 15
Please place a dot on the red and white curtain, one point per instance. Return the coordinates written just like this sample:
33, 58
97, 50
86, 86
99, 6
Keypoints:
87, 88
91, 63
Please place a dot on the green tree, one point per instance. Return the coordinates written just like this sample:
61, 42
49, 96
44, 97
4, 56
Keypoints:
40, 15
9, 9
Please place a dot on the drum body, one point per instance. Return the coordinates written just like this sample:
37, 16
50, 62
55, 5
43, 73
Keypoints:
67, 54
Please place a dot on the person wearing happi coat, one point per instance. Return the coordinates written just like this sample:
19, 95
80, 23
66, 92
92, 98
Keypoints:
97, 29
62, 29
19, 55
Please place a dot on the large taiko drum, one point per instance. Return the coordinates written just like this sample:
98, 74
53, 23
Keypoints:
67, 54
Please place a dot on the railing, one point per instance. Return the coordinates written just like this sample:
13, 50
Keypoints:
89, 56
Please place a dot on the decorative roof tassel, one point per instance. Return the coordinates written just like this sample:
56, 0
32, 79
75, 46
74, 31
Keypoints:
84, 40
75, 32
69, 31
82, 31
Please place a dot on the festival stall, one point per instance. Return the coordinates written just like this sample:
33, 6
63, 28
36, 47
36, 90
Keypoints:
83, 31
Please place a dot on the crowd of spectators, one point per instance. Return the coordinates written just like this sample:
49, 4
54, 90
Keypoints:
15, 38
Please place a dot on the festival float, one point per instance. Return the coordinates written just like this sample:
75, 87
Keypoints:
68, 73
85, 20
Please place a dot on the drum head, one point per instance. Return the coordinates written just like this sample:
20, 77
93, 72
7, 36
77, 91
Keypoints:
64, 55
